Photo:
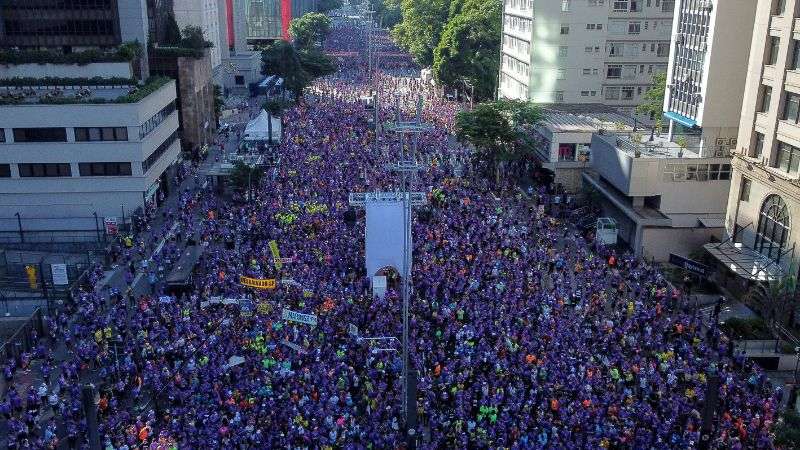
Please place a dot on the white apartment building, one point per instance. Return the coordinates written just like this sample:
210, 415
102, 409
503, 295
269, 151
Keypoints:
664, 197
203, 14
94, 154
764, 203
707, 70
583, 51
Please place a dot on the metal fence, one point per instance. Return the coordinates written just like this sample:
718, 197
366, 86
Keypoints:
22, 340
29, 229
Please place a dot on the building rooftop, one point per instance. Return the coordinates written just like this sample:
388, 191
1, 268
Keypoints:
26, 91
560, 117
659, 147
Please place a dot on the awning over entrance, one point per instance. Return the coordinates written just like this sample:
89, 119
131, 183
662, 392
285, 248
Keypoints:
745, 262
683, 120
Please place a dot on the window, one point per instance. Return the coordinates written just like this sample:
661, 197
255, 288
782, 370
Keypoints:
627, 92
562, 51
564, 29
158, 118
791, 107
588, 49
758, 145
564, 5
766, 98
614, 71
744, 191
146, 164
107, 169
621, 5
44, 170
634, 27
662, 50
40, 134
590, 26
787, 158
5, 170
239, 80
612, 93
795, 63
584, 93
774, 48
599, 26
561, 74
773, 228
101, 134
558, 96
587, 71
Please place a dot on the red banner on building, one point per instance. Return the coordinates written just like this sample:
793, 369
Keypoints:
286, 17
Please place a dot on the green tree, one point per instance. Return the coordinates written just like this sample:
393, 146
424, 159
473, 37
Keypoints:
172, 32
219, 102
329, 5
276, 107
297, 68
470, 48
310, 29
420, 29
499, 130
193, 37
387, 11
653, 103
775, 301
244, 178
787, 431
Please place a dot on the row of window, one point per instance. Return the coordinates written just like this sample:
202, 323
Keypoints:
520, 67
620, 49
153, 122
61, 5
518, 4
93, 134
59, 27
520, 45
621, 92
147, 163
697, 172
52, 170
520, 24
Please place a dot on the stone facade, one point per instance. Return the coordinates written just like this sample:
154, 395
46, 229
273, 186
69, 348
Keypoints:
195, 96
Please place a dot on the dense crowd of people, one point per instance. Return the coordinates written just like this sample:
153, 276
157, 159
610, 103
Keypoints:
525, 333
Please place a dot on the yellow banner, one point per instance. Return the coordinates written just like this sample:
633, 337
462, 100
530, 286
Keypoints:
31, 271
258, 283
276, 255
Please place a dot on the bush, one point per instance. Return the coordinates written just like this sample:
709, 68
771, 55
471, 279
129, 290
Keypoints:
276, 106
126, 53
754, 328
177, 52
153, 84
57, 81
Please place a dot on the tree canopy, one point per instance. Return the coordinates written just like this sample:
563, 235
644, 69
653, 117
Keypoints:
387, 11
298, 68
469, 47
310, 29
172, 32
499, 129
653, 103
421, 26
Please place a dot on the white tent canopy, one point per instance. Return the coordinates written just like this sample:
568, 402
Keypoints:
258, 129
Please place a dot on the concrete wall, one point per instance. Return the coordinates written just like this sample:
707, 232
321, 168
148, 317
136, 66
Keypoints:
81, 196
197, 101
119, 69
658, 243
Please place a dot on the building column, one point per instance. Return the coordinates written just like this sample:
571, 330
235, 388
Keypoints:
671, 127
637, 241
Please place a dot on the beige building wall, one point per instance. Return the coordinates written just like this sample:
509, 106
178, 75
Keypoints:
759, 166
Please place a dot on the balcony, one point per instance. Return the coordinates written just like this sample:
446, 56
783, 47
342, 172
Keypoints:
793, 78
778, 23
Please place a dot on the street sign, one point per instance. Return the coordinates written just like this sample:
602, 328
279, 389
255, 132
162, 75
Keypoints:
111, 225
689, 265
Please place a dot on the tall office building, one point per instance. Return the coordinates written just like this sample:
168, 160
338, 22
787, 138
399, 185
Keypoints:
73, 25
764, 202
707, 71
583, 51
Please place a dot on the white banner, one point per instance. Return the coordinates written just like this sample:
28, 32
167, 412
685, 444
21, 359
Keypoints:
294, 316
59, 272
384, 235
293, 346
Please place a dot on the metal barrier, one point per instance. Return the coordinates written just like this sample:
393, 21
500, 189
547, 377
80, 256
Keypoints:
760, 346
22, 340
